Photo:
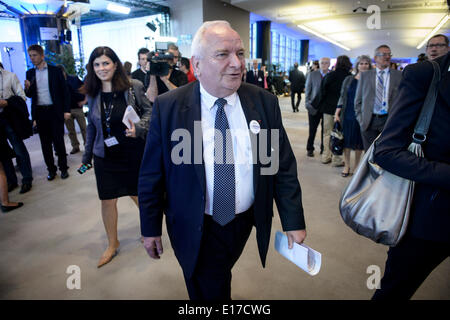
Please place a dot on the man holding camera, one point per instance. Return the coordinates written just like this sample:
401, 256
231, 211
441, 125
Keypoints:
141, 73
160, 84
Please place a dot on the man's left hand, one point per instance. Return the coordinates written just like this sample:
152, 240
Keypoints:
297, 236
3, 103
67, 115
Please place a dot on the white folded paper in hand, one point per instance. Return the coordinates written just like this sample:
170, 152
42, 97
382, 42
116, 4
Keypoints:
301, 255
130, 114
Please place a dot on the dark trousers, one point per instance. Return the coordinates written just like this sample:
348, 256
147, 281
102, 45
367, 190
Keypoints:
375, 128
299, 98
408, 265
220, 248
314, 121
51, 133
22, 157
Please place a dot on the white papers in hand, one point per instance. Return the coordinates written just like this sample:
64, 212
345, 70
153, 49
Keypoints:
130, 114
301, 255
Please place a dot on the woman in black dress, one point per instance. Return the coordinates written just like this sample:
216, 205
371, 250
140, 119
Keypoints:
6, 153
345, 114
117, 150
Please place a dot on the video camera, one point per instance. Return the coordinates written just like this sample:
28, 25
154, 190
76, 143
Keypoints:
159, 59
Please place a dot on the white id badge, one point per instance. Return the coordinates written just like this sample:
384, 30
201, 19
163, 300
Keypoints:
111, 142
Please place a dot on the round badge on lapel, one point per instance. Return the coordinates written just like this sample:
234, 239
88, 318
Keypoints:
255, 127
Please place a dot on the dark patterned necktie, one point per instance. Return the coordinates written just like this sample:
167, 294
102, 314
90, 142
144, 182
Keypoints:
224, 198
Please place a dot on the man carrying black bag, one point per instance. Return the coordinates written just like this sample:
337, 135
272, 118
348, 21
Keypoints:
426, 242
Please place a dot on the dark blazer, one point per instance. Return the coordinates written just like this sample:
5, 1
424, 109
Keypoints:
343, 98
180, 190
74, 84
58, 91
330, 90
430, 212
17, 116
297, 79
256, 81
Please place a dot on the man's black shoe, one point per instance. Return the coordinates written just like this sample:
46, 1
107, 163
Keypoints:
25, 188
51, 176
64, 174
310, 153
12, 186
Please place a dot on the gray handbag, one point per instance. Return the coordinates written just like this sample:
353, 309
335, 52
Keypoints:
376, 203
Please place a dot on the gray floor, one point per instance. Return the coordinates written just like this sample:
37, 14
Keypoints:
60, 225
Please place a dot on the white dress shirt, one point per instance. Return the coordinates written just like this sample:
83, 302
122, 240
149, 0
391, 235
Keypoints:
242, 149
386, 81
42, 86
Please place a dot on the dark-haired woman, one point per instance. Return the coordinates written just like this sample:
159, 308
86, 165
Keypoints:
117, 150
330, 91
345, 114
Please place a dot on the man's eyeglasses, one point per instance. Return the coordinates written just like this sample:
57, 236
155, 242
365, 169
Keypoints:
436, 45
383, 55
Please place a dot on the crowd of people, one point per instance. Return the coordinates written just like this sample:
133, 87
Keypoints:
210, 221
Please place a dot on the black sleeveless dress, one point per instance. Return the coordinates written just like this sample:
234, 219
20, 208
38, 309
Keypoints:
117, 173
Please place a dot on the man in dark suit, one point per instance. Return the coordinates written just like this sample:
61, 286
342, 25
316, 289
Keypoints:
376, 91
255, 76
213, 197
50, 106
313, 82
427, 240
297, 79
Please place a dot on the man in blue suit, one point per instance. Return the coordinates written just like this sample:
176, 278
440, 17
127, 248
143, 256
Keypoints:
212, 193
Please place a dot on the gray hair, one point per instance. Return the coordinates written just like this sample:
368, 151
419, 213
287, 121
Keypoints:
198, 45
377, 50
362, 58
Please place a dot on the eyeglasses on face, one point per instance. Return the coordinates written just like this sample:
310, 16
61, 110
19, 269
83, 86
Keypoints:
383, 55
436, 45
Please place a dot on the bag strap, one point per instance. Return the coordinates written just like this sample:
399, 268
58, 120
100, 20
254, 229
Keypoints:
423, 123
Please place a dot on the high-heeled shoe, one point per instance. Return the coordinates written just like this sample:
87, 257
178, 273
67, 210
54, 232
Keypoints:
106, 259
10, 208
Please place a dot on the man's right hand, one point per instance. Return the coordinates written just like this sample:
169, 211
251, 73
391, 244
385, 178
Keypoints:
153, 246
27, 84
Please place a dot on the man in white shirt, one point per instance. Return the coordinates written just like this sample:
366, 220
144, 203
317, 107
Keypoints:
50, 106
15, 124
213, 197
377, 89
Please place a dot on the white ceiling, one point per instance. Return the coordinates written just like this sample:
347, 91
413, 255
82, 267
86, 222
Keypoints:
404, 23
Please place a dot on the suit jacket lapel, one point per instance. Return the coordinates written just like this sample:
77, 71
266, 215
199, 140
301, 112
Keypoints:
444, 85
50, 82
192, 113
251, 113
393, 82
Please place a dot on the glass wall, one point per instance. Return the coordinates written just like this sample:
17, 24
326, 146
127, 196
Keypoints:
285, 49
253, 36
